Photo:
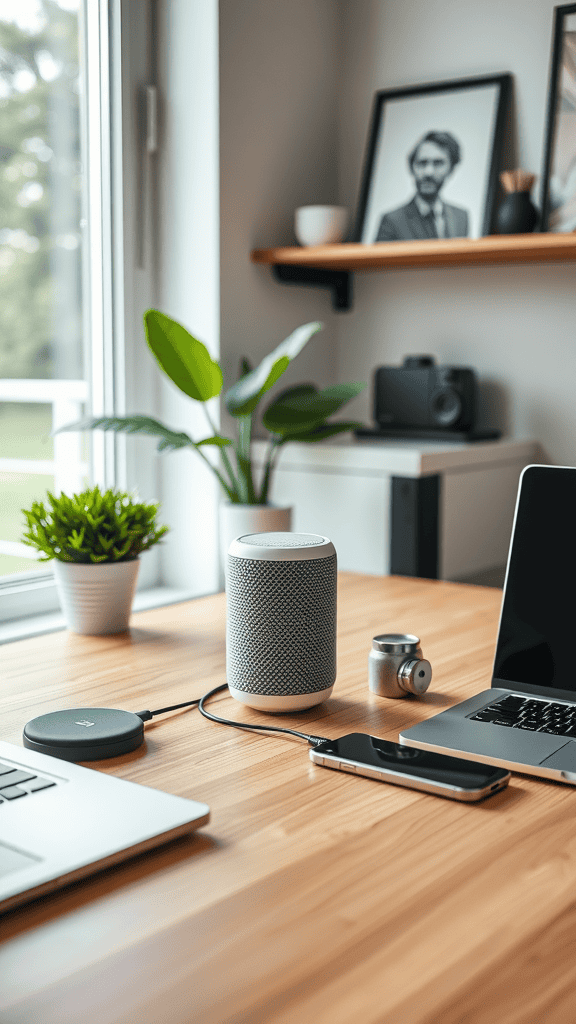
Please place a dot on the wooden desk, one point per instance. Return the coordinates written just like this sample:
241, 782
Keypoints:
312, 896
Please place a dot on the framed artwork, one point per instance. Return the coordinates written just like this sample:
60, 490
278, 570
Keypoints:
432, 160
559, 175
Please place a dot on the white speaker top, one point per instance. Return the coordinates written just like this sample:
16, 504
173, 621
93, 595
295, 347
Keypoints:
281, 547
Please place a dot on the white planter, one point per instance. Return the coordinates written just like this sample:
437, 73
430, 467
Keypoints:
236, 520
96, 599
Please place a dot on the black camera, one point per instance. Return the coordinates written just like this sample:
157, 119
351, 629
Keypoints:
421, 395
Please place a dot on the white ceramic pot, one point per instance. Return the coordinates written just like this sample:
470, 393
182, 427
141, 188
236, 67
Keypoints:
320, 225
236, 520
96, 599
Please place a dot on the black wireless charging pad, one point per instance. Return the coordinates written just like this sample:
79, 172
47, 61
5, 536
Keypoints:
85, 734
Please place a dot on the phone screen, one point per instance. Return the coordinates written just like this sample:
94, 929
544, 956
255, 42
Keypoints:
377, 753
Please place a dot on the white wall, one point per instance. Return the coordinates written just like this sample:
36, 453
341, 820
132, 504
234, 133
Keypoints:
514, 324
278, 150
237, 155
282, 69
296, 82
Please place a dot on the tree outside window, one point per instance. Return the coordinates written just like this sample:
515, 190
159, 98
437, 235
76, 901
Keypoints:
41, 202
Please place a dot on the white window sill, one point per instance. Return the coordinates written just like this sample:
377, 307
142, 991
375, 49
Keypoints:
36, 625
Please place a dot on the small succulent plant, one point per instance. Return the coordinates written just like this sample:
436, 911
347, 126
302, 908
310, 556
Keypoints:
92, 526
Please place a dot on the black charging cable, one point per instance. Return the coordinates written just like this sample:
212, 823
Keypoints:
147, 715
201, 701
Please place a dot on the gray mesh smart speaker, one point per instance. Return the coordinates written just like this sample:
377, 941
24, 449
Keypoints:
281, 620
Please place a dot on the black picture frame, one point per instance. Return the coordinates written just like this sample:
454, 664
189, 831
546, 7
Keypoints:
558, 186
474, 109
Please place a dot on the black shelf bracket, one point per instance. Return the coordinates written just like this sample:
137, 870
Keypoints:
339, 281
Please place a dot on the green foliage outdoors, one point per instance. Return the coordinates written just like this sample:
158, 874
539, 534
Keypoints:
299, 413
40, 194
92, 527
24, 434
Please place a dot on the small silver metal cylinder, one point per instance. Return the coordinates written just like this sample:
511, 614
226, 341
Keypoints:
396, 666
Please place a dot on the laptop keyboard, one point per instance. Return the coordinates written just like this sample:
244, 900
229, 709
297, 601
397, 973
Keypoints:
16, 782
533, 715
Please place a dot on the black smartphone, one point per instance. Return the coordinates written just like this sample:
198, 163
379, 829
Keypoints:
453, 777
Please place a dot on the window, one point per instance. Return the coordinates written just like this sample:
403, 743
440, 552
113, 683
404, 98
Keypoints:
134, 219
42, 381
57, 238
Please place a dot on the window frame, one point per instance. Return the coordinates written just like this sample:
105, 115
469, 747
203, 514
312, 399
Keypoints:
112, 71
155, 250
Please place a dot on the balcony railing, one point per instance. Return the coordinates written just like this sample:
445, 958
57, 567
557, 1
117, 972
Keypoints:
67, 398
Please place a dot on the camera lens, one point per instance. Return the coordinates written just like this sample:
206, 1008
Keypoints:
446, 407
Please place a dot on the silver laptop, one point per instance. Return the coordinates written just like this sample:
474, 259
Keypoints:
60, 822
527, 720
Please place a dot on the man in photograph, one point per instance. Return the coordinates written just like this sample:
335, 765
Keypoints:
427, 216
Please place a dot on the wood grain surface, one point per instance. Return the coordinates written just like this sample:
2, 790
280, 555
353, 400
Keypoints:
430, 252
311, 895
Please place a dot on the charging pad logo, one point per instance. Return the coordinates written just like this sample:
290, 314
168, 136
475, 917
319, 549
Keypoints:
85, 722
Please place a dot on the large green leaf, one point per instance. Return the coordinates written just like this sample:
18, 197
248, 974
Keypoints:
183, 358
303, 408
243, 397
170, 440
296, 391
248, 406
216, 439
326, 430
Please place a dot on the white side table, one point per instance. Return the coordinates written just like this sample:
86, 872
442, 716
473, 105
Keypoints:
441, 510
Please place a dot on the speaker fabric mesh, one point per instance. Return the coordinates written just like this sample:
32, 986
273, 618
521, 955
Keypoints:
281, 625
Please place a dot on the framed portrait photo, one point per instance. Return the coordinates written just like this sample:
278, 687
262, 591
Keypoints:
432, 161
559, 175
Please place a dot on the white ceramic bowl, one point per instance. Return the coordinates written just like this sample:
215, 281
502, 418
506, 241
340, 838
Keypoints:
320, 225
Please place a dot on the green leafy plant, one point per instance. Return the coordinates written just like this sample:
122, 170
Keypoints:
92, 527
299, 413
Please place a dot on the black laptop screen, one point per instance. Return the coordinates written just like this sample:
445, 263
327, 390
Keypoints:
535, 646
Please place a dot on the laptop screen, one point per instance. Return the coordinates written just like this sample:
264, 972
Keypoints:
535, 648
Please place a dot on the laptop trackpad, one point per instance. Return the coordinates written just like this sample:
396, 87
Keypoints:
563, 759
448, 730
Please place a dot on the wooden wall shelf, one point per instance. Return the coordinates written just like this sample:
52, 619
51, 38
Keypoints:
331, 266
441, 252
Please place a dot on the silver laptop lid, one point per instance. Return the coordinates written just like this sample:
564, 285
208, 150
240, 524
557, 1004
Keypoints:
534, 651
